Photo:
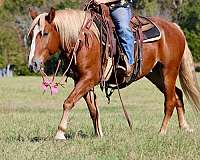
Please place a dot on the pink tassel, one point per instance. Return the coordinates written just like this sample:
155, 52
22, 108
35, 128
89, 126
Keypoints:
46, 83
54, 89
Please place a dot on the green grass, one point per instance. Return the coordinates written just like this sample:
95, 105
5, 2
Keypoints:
29, 119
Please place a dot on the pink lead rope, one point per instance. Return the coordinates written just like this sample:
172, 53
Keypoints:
51, 84
47, 83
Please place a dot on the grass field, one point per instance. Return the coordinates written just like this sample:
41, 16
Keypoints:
29, 119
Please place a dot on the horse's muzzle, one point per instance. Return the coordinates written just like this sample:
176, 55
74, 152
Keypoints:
35, 66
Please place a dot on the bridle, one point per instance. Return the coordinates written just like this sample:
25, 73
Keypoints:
50, 82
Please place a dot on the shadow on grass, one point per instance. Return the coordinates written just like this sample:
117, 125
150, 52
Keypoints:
74, 135
69, 136
39, 139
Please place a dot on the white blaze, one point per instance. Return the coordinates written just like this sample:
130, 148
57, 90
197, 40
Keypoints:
33, 44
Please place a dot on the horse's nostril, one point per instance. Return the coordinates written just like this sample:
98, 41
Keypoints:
30, 68
35, 64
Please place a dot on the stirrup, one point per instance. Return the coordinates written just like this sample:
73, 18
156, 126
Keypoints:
121, 67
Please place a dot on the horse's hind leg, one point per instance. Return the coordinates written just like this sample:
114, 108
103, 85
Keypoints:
165, 81
181, 111
172, 98
90, 99
157, 79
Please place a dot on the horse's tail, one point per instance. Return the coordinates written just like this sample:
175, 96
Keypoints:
188, 79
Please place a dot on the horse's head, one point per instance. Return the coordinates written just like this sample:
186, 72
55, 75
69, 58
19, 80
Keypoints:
44, 39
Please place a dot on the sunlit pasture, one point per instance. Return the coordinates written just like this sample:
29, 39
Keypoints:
29, 119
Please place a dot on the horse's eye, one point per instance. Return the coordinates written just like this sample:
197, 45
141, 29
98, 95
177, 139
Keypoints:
45, 34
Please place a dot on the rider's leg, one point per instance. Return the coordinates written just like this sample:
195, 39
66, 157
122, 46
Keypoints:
121, 17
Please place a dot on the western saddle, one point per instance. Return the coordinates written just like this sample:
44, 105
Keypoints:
114, 61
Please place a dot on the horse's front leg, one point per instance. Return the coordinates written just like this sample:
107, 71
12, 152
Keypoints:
81, 88
90, 99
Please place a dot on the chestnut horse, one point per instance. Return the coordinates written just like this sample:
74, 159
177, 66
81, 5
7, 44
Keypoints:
163, 61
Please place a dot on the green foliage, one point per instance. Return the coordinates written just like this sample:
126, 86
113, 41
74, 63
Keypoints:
51, 64
67, 4
146, 7
189, 15
189, 19
10, 51
194, 43
12, 8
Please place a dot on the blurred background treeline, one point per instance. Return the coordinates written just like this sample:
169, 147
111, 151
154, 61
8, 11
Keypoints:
14, 22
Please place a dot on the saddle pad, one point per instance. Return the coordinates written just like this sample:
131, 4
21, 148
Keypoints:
150, 31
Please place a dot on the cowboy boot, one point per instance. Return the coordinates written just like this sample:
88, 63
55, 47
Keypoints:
129, 69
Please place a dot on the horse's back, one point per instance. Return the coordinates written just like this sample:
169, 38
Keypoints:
167, 51
172, 42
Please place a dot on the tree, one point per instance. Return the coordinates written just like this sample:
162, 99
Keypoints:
189, 19
10, 51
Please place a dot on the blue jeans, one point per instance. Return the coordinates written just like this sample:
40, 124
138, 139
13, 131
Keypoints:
121, 17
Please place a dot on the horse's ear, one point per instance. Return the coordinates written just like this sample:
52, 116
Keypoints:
33, 13
51, 15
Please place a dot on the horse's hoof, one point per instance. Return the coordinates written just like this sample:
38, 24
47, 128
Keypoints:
60, 136
162, 132
188, 130
99, 135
